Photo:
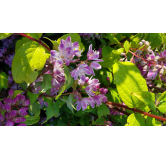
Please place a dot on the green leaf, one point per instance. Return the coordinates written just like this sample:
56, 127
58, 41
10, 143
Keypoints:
59, 103
17, 92
162, 97
68, 82
29, 58
5, 35
3, 80
155, 39
135, 120
32, 97
20, 42
110, 56
46, 83
69, 102
50, 109
35, 108
128, 80
146, 97
112, 38
30, 120
75, 37
34, 35
103, 110
99, 121
152, 122
162, 107
104, 74
127, 46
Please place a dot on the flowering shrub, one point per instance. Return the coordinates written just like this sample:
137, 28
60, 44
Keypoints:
83, 79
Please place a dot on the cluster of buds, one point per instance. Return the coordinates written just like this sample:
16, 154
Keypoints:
155, 64
13, 110
90, 36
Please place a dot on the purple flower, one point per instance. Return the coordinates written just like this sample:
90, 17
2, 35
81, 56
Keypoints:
1, 117
83, 103
7, 107
10, 93
13, 113
26, 102
99, 99
80, 71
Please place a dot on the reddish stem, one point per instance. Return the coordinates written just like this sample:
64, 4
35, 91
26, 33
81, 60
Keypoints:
39, 41
135, 110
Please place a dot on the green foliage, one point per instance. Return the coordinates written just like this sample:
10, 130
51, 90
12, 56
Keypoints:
162, 97
30, 120
34, 35
99, 121
135, 120
128, 80
162, 107
4, 35
35, 108
110, 56
152, 122
46, 83
17, 92
127, 45
3, 80
32, 97
28, 59
146, 97
103, 110
104, 74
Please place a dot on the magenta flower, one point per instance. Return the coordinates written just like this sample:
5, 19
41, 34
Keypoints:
99, 99
83, 103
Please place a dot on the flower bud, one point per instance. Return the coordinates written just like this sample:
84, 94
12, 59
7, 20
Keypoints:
21, 111
22, 98
105, 90
162, 71
10, 123
86, 79
5, 100
18, 97
1, 117
13, 113
26, 103
139, 52
7, 107
11, 93
108, 79
9, 101
146, 43
22, 119
16, 120
141, 43
158, 66
123, 54
3, 106
14, 101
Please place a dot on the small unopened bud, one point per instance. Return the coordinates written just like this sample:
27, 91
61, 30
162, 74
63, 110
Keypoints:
14, 101
16, 120
139, 51
7, 115
123, 54
158, 66
86, 79
26, 103
22, 98
146, 43
10, 123
22, 119
108, 79
7, 107
145, 68
10, 93
157, 57
155, 69
143, 41
13, 113
140, 43
122, 59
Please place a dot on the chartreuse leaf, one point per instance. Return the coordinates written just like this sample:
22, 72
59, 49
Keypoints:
75, 37
112, 38
3, 80
135, 120
30, 120
103, 110
46, 83
162, 107
146, 97
128, 80
29, 59
127, 45
162, 97
68, 82
35, 108
34, 35
17, 92
4, 35
32, 97
110, 56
